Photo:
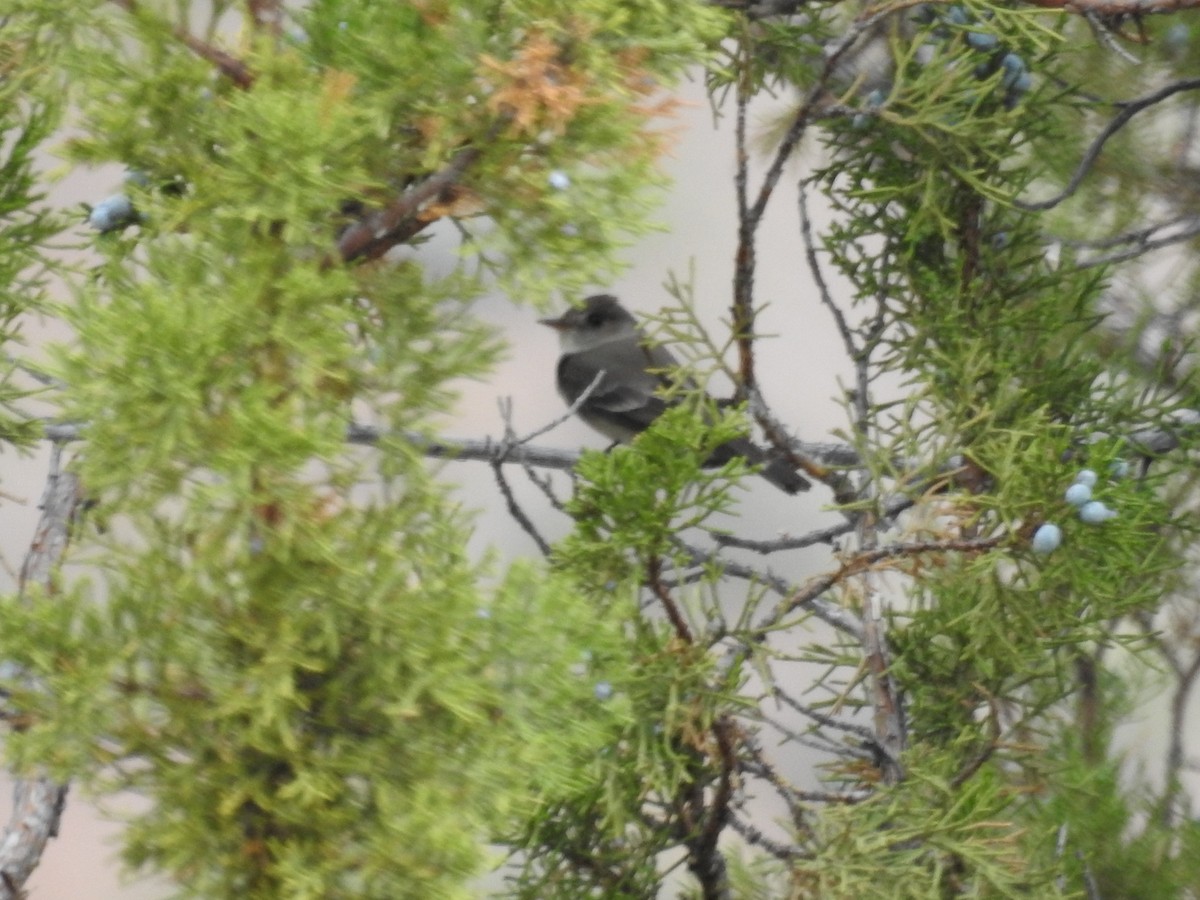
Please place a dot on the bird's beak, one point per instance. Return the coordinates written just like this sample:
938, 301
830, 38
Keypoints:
556, 324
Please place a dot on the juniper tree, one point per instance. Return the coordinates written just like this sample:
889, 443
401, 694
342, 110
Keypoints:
282, 642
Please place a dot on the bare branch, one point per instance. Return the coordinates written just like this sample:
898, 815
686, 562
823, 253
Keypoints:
818, 276
655, 582
1184, 425
1139, 242
1185, 682
409, 214
1129, 109
892, 507
485, 450
229, 66
571, 410
511, 440
823, 719
753, 836
38, 802
514, 509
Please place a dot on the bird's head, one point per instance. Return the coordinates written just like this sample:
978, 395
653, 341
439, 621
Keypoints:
599, 320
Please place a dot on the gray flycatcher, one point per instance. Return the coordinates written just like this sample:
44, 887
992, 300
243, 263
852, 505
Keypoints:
601, 336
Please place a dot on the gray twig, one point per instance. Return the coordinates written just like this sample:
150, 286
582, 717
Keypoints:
38, 802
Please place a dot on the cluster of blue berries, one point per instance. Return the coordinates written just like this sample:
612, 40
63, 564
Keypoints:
1048, 536
1015, 78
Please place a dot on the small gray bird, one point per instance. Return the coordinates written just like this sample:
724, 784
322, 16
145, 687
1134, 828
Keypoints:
601, 336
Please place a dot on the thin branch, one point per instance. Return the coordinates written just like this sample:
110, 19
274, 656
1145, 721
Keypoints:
975, 763
543, 484
571, 411
815, 740
1158, 440
1175, 748
410, 213
742, 312
818, 276
830, 613
890, 733
229, 66
705, 859
754, 837
33, 372
1089, 880
1107, 35
1129, 109
510, 441
1134, 243
809, 105
824, 719
892, 507
38, 802
485, 450
655, 582
750, 217
514, 509
823, 536
861, 562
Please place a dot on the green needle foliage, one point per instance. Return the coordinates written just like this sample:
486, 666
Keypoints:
29, 112
315, 689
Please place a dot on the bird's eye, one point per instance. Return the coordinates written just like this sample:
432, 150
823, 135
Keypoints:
594, 320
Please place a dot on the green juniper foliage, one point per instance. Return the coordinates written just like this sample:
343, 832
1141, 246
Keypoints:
281, 642
29, 110
319, 694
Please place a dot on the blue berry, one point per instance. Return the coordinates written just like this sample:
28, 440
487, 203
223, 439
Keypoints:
1013, 67
981, 40
603, 691
112, 213
956, 15
1000, 240
1096, 512
1088, 477
1118, 468
559, 180
1078, 494
1047, 538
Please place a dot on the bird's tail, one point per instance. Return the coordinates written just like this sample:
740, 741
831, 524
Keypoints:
775, 469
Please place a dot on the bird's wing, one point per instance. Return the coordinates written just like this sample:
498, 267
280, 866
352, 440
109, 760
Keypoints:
626, 393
